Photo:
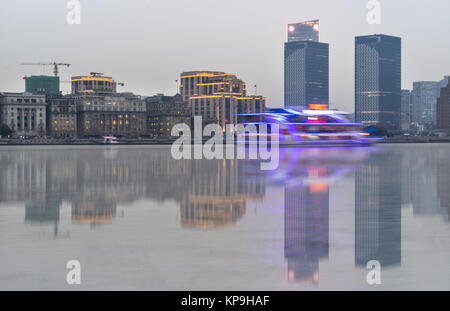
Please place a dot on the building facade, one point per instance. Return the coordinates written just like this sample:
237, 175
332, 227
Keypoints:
304, 31
93, 83
306, 66
42, 85
424, 99
378, 81
119, 114
406, 110
24, 113
164, 112
62, 116
218, 96
443, 108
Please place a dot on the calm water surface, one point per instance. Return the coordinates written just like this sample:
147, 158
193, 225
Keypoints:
138, 220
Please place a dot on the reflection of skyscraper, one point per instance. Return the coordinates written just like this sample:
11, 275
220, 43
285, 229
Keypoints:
378, 81
443, 180
378, 212
306, 62
306, 230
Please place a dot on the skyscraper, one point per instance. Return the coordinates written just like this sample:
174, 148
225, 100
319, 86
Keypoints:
306, 66
424, 98
406, 110
378, 81
443, 108
304, 31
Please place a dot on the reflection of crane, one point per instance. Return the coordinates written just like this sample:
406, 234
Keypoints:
54, 64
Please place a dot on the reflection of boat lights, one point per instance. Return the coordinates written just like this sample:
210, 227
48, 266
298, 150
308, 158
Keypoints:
291, 275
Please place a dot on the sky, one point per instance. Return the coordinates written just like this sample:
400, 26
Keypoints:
147, 44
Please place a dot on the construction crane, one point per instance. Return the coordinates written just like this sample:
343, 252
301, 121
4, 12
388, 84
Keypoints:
54, 64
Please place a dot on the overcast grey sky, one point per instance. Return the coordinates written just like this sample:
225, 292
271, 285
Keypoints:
147, 43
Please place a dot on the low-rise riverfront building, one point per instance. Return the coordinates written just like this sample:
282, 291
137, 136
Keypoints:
24, 113
164, 112
62, 116
119, 114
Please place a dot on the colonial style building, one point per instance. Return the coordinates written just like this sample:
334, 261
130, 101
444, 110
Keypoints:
62, 116
218, 96
119, 114
164, 112
24, 113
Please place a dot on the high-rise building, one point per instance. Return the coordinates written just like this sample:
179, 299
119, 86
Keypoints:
304, 31
444, 82
443, 108
218, 96
378, 81
424, 98
406, 110
306, 66
42, 85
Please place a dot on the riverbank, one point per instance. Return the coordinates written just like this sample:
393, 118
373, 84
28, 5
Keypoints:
124, 141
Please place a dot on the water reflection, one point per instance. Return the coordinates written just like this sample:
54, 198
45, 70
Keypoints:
378, 211
96, 184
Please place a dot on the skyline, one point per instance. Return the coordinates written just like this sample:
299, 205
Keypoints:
128, 42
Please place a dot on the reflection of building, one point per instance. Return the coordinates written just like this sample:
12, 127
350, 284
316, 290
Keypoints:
378, 81
218, 97
443, 180
42, 212
216, 196
378, 212
164, 112
306, 62
93, 212
24, 113
306, 230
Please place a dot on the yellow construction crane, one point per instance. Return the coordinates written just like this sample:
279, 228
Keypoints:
54, 64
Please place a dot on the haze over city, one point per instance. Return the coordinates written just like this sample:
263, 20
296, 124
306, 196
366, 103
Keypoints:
147, 44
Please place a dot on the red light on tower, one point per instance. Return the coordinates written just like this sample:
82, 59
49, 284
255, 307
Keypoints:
291, 28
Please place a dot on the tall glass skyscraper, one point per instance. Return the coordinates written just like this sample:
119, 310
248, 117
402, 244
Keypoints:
424, 99
378, 81
306, 66
304, 31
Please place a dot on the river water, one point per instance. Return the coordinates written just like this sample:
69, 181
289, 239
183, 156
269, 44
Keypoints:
136, 219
